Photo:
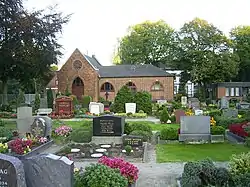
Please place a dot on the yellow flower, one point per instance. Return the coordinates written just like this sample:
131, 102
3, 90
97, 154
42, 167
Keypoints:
1, 145
239, 116
212, 121
25, 152
76, 169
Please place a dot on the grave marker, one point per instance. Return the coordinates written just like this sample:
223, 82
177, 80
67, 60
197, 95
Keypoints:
11, 172
130, 108
134, 141
64, 105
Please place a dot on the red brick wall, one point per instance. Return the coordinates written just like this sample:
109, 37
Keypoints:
67, 74
142, 83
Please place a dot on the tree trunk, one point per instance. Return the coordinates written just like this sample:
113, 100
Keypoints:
5, 92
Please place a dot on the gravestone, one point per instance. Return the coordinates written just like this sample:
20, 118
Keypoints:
195, 128
184, 101
244, 106
11, 172
96, 108
194, 103
130, 108
24, 119
134, 141
198, 112
48, 170
230, 113
44, 111
224, 103
108, 129
64, 105
42, 127
161, 102
38, 128
178, 114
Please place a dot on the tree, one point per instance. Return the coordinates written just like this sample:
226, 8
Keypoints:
205, 53
123, 96
146, 43
241, 40
50, 98
28, 42
143, 101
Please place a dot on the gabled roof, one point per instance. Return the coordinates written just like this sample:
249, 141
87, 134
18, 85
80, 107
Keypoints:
147, 70
92, 60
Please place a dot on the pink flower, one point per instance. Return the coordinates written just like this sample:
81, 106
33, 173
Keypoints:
63, 130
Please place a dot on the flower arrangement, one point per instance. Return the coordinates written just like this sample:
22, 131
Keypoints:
212, 121
189, 112
20, 146
127, 169
63, 131
42, 140
3, 148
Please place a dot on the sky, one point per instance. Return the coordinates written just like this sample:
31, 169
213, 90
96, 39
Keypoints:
96, 25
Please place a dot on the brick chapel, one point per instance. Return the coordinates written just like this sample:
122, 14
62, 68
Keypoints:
84, 75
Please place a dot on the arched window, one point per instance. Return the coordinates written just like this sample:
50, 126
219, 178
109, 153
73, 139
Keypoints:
78, 82
157, 86
131, 86
107, 87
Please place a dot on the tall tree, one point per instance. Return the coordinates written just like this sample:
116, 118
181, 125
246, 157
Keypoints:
241, 40
206, 53
28, 42
146, 43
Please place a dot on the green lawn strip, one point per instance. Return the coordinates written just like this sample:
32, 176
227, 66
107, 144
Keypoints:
10, 124
159, 127
183, 152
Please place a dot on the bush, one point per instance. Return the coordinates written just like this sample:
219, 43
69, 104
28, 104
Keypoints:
20, 98
217, 130
123, 96
4, 132
146, 135
37, 102
242, 180
214, 113
85, 101
169, 133
164, 116
225, 122
50, 98
127, 128
222, 177
81, 136
140, 125
98, 175
240, 164
74, 99
143, 102
5, 108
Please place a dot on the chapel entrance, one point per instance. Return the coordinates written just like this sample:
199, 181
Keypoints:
78, 88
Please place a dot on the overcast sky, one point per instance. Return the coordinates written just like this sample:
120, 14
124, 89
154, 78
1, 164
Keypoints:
96, 25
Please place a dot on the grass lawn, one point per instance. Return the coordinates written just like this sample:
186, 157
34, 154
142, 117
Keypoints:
184, 152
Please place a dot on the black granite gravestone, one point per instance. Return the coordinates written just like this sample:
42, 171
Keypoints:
11, 172
49, 170
134, 141
108, 126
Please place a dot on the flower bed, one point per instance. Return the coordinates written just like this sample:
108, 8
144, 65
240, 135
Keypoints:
53, 115
239, 129
8, 115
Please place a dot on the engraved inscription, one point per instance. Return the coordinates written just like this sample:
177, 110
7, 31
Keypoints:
107, 126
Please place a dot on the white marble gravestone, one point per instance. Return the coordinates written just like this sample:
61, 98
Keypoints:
96, 108
130, 108
198, 112
184, 101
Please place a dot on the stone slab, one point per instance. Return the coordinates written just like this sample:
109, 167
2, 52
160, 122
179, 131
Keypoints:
194, 137
107, 140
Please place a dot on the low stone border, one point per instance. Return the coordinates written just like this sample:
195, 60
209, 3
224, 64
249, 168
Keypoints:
145, 152
239, 139
36, 151
167, 141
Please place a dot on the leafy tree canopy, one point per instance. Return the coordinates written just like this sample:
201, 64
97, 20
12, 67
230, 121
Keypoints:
146, 43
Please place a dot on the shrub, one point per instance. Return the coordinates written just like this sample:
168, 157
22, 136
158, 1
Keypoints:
217, 130
85, 101
225, 122
164, 116
143, 101
4, 132
50, 98
146, 135
222, 177
141, 111
127, 169
74, 99
2, 123
169, 133
214, 113
240, 164
128, 149
99, 175
123, 96
140, 125
37, 102
127, 128
242, 180
6, 108
20, 98
81, 136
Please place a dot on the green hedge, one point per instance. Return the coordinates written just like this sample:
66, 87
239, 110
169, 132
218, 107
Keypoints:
217, 130
138, 126
214, 113
169, 133
225, 122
